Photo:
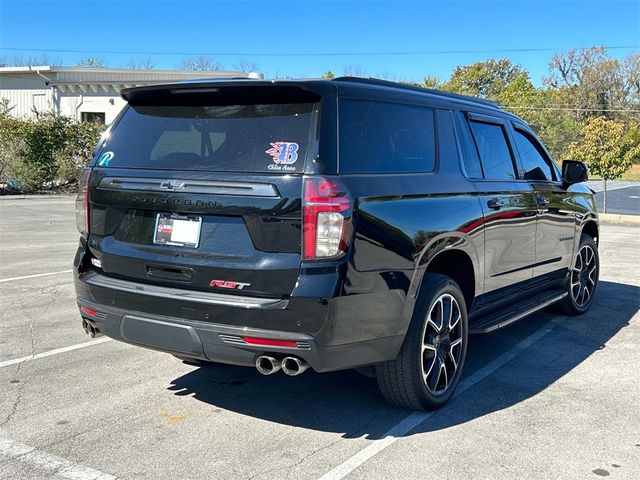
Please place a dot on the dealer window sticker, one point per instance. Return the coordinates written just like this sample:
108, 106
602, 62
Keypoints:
283, 154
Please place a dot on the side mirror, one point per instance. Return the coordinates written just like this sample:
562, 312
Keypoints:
574, 171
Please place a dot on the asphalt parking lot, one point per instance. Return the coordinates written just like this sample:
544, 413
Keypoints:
623, 197
550, 397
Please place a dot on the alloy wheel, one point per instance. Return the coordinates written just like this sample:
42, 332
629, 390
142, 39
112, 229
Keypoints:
583, 276
441, 344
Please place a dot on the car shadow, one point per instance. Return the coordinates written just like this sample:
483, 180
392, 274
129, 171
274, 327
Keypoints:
349, 403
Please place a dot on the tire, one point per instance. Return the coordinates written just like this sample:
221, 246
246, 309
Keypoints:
429, 344
583, 279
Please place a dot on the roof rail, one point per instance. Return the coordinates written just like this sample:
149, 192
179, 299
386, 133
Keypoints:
442, 93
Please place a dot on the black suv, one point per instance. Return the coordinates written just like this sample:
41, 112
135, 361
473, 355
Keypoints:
329, 224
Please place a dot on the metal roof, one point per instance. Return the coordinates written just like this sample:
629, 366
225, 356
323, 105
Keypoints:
121, 71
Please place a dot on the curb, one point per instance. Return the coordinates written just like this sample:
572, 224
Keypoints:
623, 219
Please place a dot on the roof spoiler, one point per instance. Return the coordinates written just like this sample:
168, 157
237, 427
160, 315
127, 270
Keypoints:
212, 88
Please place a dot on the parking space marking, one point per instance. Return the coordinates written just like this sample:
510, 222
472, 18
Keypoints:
611, 189
13, 279
51, 464
54, 352
413, 420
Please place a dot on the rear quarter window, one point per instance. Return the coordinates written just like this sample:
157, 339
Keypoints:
381, 137
235, 138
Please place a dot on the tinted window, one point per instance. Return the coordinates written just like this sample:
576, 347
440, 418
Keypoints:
495, 155
469, 151
378, 137
240, 138
536, 167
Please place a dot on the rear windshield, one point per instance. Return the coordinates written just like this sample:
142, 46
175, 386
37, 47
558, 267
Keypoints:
237, 138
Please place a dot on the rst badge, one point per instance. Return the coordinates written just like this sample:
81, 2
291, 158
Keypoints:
228, 284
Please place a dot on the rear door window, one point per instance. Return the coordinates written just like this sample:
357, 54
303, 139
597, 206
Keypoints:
235, 138
495, 155
380, 137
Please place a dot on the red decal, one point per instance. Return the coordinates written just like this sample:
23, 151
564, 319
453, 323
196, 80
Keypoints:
228, 284
162, 228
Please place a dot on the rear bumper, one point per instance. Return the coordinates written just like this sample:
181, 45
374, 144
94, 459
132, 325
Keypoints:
213, 327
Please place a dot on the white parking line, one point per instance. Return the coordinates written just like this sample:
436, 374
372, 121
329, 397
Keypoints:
54, 352
49, 463
411, 421
13, 279
611, 189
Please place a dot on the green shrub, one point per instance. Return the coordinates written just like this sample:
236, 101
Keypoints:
76, 153
44, 152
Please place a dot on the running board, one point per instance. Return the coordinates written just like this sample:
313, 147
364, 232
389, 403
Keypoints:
514, 313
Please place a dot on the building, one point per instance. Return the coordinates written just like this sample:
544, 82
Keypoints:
84, 94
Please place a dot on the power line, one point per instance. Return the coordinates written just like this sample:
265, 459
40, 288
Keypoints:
307, 54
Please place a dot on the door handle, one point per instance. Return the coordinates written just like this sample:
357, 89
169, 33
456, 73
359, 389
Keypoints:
495, 204
542, 201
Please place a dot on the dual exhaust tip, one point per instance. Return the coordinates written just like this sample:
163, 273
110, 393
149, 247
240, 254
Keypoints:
291, 366
90, 330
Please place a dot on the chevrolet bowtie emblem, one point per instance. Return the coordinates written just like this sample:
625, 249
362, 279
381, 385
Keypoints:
173, 185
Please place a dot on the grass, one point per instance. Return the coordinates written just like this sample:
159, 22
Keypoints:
633, 173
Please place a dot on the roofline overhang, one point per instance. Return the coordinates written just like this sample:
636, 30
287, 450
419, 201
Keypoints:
63, 69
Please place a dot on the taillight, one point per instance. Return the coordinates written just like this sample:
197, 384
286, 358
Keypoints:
326, 217
82, 203
88, 311
271, 342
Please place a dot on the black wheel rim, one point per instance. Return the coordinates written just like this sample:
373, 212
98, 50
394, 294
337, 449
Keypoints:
583, 276
441, 344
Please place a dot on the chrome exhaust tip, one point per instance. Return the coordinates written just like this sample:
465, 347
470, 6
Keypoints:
293, 366
267, 365
90, 330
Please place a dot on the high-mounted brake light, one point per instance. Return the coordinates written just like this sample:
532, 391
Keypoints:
82, 203
326, 218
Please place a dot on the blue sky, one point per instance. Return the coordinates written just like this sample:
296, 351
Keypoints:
263, 32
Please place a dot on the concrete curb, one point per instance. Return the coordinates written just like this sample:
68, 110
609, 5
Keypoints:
615, 218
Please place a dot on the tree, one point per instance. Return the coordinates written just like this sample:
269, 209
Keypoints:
246, 66
631, 75
596, 85
431, 82
486, 79
328, 74
201, 63
354, 71
567, 69
141, 64
29, 61
606, 149
91, 62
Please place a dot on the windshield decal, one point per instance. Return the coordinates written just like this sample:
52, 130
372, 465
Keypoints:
105, 159
283, 155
